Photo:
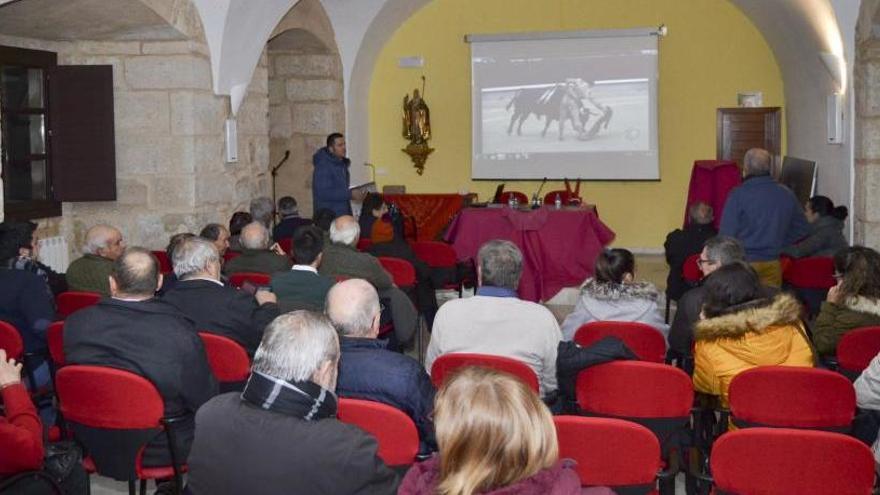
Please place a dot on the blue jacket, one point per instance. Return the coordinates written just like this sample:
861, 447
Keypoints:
330, 181
765, 216
369, 371
26, 303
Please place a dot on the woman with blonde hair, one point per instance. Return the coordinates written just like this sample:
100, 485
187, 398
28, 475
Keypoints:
495, 436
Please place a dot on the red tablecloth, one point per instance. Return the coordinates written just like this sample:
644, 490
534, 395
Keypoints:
432, 212
559, 246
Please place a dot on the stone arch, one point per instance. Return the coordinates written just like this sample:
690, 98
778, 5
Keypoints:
866, 80
305, 96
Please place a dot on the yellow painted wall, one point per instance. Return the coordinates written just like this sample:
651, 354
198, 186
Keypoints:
711, 53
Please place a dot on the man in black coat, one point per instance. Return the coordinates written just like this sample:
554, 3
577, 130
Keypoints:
281, 434
135, 332
213, 307
681, 244
290, 219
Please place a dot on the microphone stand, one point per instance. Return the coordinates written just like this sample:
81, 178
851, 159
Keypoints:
536, 203
274, 173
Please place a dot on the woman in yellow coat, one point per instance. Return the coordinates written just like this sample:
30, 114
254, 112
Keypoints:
739, 330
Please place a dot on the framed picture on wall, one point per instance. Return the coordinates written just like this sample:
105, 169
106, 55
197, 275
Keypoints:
750, 100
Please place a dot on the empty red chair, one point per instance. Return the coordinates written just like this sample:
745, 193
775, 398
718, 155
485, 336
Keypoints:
401, 271
227, 358
810, 273
71, 301
857, 348
644, 340
10, 341
448, 363
440, 256
114, 413
778, 461
363, 244
55, 339
690, 271
164, 263
792, 397
394, 431
258, 279
521, 198
621, 455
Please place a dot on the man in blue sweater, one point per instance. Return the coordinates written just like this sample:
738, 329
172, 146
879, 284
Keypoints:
330, 179
764, 215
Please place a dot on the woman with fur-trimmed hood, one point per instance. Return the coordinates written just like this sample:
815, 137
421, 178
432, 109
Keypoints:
854, 302
739, 330
613, 295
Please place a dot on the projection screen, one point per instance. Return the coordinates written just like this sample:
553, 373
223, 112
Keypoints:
565, 105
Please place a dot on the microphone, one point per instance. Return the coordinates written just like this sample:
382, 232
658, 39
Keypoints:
276, 167
536, 203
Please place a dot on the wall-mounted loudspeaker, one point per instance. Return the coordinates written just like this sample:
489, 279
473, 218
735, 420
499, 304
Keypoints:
835, 119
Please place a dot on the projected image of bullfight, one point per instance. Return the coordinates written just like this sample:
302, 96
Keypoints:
572, 115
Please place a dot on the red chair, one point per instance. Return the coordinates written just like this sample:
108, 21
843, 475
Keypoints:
71, 301
401, 271
164, 263
777, 461
228, 360
565, 196
644, 340
690, 271
621, 455
286, 244
857, 348
230, 255
258, 279
55, 339
10, 341
448, 363
393, 430
521, 198
114, 414
810, 273
440, 256
792, 397
363, 244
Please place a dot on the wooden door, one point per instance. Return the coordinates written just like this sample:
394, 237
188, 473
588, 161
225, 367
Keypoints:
740, 129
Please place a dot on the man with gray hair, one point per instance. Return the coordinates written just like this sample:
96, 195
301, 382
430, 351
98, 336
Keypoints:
213, 307
496, 321
764, 215
256, 255
262, 210
290, 219
91, 272
368, 370
682, 244
281, 434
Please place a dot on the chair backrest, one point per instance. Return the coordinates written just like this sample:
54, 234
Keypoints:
779, 461
71, 301
227, 358
635, 389
394, 431
108, 398
565, 196
609, 452
810, 273
435, 254
449, 363
10, 341
286, 244
231, 255
857, 348
363, 244
690, 270
55, 340
644, 340
793, 397
260, 279
521, 198
402, 271
164, 263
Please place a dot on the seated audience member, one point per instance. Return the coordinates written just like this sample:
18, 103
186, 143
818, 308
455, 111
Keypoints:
218, 235
372, 209
290, 219
323, 218
740, 330
367, 370
302, 285
854, 302
90, 273
169, 280
21, 433
612, 294
495, 321
682, 244
213, 307
342, 259
764, 215
136, 332
256, 255
867, 387
19, 250
495, 437
281, 434
236, 223
262, 210
826, 230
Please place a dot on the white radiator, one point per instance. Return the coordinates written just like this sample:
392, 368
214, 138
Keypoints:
53, 252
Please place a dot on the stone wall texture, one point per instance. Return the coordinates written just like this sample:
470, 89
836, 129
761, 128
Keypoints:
867, 143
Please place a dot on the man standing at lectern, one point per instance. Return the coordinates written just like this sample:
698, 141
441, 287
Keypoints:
330, 179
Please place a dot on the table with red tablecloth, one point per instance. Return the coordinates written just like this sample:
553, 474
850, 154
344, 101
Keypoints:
431, 212
559, 246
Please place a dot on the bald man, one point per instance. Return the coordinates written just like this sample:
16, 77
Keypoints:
133, 331
367, 369
764, 216
256, 254
91, 272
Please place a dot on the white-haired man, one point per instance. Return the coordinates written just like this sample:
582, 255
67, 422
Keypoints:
213, 307
91, 272
256, 255
281, 434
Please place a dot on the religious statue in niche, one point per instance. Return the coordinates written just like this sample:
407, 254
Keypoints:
417, 128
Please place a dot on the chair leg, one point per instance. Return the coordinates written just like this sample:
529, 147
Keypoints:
143, 487
667, 309
131, 488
